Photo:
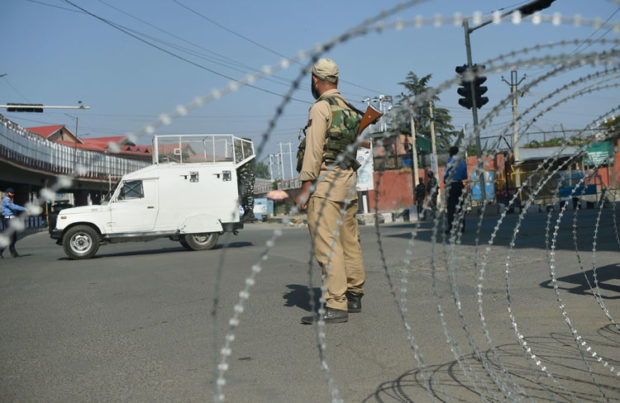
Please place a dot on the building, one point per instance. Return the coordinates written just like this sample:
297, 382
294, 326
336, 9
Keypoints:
62, 135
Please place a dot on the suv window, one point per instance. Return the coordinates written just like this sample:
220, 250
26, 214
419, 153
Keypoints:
131, 190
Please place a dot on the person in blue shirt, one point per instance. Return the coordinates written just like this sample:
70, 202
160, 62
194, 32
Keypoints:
456, 173
9, 212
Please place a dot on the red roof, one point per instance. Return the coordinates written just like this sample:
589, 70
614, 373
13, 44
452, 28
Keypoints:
45, 131
91, 147
115, 139
103, 145
96, 143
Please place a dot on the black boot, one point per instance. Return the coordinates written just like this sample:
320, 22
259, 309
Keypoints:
331, 315
354, 301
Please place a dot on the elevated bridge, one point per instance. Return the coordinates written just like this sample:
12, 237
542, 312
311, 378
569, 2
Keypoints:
29, 163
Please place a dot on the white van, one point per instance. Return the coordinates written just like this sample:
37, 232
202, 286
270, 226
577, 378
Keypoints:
190, 195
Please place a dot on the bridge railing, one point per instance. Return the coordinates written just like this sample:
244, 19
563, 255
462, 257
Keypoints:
21, 147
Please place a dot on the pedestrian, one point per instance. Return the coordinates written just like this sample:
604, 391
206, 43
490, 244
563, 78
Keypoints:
9, 213
455, 174
420, 193
432, 188
331, 128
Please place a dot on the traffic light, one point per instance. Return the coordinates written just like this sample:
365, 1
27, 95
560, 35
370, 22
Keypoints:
24, 107
465, 89
536, 5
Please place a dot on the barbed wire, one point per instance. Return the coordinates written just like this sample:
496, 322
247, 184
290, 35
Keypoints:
507, 386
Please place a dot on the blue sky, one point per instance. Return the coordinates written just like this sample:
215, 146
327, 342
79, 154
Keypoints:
56, 55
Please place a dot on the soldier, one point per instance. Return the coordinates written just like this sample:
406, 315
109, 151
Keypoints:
246, 190
332, 126
420, 192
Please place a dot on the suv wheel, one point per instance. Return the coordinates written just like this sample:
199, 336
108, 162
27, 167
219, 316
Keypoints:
80, 242
201, 241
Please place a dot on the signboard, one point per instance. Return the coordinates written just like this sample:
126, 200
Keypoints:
599, 154
263, 207
365, 175
489, 186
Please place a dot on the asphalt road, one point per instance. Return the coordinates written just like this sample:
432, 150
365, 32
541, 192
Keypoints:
145, 321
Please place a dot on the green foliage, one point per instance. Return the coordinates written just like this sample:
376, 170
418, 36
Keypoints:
612, 129
261, 170
444, 130
559, 141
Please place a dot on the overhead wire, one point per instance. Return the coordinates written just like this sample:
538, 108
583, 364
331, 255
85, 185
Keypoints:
594, 32
220, 58
182, 58
179, 48
6, 80
275, 52
53, 6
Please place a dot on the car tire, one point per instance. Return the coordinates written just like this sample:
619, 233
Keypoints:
201, 241
184, 244
80, 242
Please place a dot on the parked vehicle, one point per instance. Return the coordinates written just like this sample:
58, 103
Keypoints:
189, 194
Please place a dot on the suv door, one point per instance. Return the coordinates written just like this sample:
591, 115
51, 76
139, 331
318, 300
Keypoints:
135, 208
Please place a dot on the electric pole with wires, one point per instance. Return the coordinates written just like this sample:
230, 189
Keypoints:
514, 84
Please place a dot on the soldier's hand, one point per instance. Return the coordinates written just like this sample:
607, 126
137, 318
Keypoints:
304, 195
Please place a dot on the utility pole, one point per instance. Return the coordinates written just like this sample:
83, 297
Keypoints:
434, 146
290, 157
433, 142
414, 152
414, 158
281, 162
271, 166
514, 83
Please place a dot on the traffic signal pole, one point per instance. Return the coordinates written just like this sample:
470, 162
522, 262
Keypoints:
524, 10
474, 109
29, 107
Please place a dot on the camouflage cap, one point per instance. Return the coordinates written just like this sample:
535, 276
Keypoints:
325, 69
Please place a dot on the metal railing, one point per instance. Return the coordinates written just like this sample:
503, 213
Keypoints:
31, 223
201, 148
29, 150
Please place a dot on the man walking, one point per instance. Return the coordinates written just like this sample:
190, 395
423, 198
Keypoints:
456, 173
9, 212
420, 192
332, 126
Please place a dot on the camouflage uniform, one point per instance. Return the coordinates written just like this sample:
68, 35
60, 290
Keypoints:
246, 176
335, 192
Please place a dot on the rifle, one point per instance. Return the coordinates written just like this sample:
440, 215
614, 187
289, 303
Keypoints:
370, 116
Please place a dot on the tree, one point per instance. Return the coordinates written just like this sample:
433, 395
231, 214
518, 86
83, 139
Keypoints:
552, 142
261, 170
612, 129
444, 130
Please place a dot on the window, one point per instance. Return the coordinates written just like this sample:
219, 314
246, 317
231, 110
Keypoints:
131, 190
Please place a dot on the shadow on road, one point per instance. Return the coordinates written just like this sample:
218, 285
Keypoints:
448, 382
172, 249
299, 296
532, 230
584, 282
